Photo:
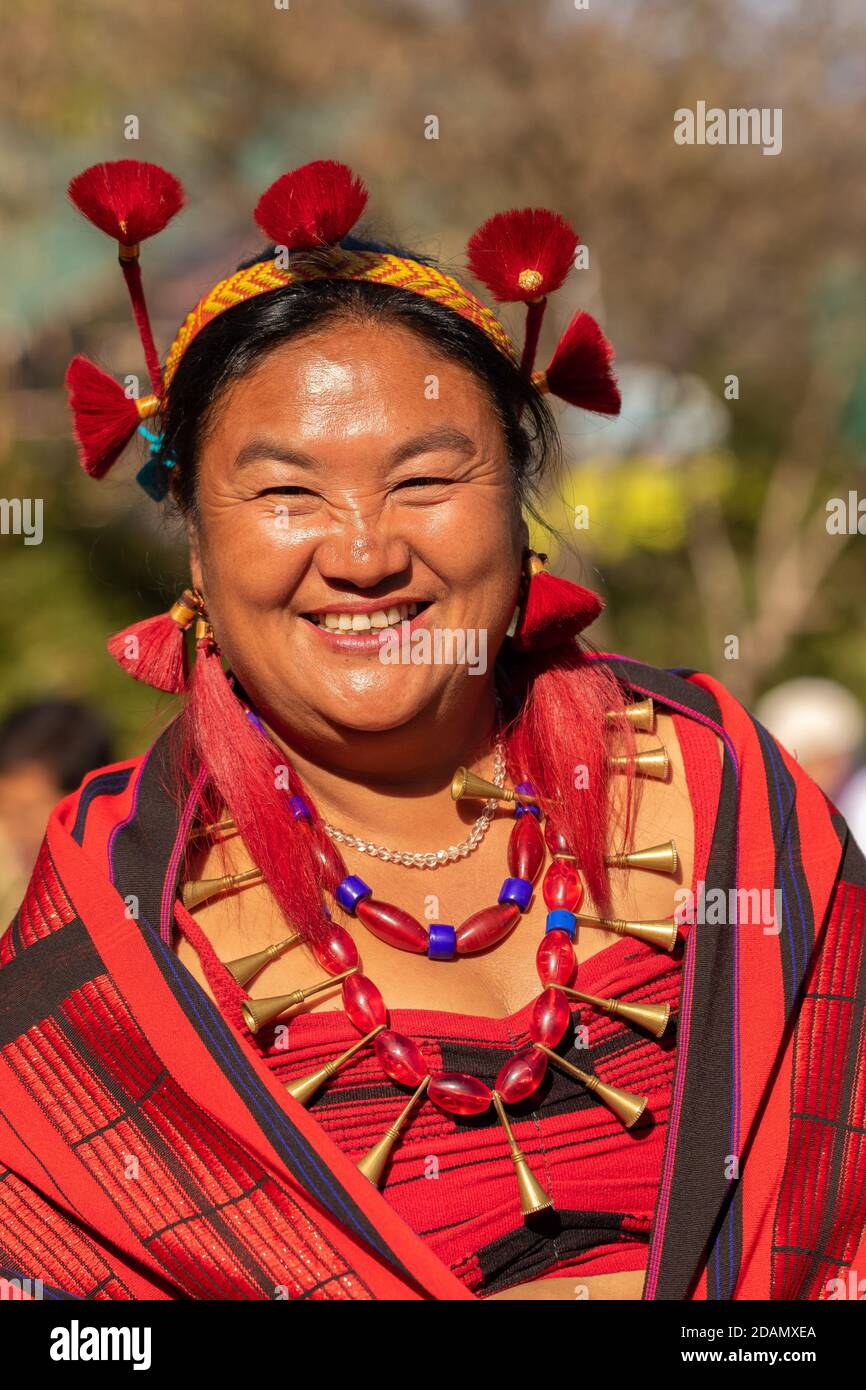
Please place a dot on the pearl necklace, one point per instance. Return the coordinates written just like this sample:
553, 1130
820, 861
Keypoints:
434, 858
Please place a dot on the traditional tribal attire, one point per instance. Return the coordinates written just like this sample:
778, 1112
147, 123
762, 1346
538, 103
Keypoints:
150, 1149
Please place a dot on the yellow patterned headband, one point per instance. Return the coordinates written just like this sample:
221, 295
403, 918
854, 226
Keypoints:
521, 256
374, 266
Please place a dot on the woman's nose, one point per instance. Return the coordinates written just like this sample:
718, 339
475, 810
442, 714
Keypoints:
362, 555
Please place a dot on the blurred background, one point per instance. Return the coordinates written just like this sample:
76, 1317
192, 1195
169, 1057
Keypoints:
701, 514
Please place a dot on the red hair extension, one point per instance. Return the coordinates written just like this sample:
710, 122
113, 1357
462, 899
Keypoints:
560, 729
580, 369
242, 767
104, 418
315, 205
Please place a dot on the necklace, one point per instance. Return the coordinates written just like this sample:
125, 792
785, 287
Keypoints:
400, 1058
435, 858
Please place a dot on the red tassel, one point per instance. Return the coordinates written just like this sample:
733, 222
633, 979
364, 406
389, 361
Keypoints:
316, 205
154, 651
127, 199
522, 254
580, 369
104, 418
554, 612
130, 201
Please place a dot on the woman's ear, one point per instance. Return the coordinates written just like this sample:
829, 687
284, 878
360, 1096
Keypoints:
195, 565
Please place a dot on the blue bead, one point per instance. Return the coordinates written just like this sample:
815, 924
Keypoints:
442, 943
299, 808
517, 891
350, 891
560, 919
532, 810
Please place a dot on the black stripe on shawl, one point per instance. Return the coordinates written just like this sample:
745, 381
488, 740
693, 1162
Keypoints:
105, 784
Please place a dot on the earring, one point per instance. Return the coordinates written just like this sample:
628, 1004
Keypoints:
550, 612
154, 651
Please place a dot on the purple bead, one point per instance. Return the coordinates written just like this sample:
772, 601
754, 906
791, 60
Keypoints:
528, 790
299, 808
442, 941
350, 891
517, 891
560, 919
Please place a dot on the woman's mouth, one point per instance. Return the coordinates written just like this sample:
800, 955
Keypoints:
353, 621
351, 629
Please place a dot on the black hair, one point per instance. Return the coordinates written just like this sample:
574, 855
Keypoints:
233, 343
66, 737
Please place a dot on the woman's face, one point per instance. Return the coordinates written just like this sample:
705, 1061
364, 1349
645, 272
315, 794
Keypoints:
351, 473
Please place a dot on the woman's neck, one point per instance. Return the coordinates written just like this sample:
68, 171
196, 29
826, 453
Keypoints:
395, 785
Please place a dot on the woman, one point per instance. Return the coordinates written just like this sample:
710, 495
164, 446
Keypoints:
274, 1026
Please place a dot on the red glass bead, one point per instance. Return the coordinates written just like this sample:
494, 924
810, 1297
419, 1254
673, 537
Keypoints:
337, 953
485, 927
400, 1058
525, 849
550, 1018
562, 886
392, 925
330, 860
363, 1003
556, 843
521, 1075
459, 1094
554, 959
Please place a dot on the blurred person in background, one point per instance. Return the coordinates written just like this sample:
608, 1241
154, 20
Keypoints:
326, 930
824, 726
46, 749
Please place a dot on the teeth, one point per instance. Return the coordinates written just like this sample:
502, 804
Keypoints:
363, 622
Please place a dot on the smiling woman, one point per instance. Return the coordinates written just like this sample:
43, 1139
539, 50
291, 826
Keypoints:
365, 980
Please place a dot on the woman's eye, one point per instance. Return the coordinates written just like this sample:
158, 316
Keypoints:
423, 482
286, 491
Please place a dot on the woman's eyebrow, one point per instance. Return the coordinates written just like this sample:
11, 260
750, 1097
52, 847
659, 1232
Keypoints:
438, 437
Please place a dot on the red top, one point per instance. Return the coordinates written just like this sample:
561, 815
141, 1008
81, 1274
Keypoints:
452, 1179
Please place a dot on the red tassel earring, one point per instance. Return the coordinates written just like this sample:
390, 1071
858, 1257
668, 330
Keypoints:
129, 201
154, 651
551, 611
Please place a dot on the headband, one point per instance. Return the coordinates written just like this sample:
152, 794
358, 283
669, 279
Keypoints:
521, 256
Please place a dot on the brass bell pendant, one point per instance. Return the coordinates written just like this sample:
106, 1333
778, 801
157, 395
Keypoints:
305, 1087
258, 1012
654, 763
658, 859
662, 934
627, 1107
197, 891
653, 1017
374, 1162
465, 784
245, 968
641, 717
533, 1197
